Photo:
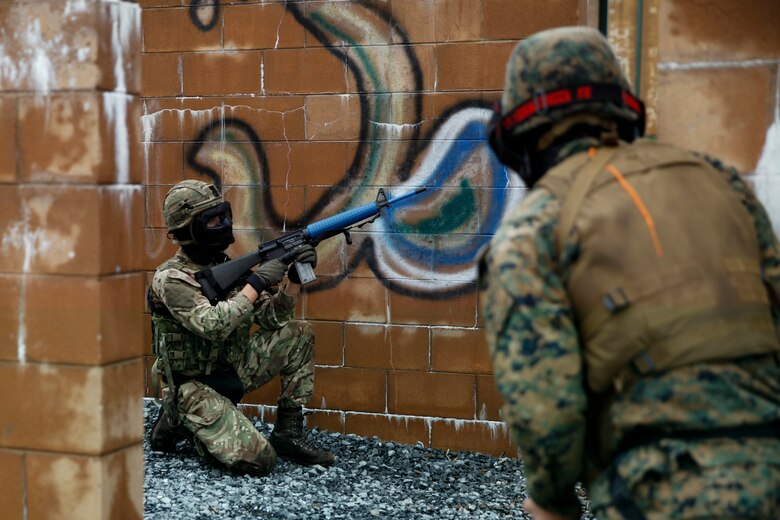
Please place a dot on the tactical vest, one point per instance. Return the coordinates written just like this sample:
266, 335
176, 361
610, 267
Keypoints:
179, 350
668, 269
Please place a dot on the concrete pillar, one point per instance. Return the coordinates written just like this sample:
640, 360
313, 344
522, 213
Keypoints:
71, 219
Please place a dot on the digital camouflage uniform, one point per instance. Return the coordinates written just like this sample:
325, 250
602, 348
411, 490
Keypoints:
559, 423
279, 346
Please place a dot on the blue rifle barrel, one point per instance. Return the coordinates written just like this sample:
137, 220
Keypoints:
352, 216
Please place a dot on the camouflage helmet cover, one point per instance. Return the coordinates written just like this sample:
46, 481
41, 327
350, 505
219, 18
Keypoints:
188, 199
564, 57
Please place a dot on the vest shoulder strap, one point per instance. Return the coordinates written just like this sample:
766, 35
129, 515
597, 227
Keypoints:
577, 191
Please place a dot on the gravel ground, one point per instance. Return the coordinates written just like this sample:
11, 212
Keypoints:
371, 479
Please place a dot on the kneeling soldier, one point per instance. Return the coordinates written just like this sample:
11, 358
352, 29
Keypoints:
210, 357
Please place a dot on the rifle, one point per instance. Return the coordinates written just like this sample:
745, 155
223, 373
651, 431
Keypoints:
215, 282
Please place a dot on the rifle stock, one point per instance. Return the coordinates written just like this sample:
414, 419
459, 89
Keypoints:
217, 281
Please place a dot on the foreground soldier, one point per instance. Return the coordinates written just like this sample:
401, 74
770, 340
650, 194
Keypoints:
627, 304
209, 356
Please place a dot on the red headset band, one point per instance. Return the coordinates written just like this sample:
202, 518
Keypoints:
565, 96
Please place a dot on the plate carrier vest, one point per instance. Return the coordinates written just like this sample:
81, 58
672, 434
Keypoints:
668, 271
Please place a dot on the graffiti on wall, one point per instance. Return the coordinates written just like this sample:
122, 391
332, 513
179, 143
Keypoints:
425, 247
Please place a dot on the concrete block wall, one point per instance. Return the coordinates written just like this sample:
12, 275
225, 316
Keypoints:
709, 73
719, 86
302, 109
70, 270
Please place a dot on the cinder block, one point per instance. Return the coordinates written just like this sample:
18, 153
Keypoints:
11, 309
121, 228
171, 30
269, 119
459, 311
489, 401
60, 229
485, 61
261, 26
85, 321
329, 342
339, 32
397, 68
722, 112
299, 164
692, 31
80, 138
159, 3
119, 52
302, 71
435, 105
457, 20
353, 299
78, 487
208, 74
161, 74
446, 395
14, 241
12, 483
121, 138
163, 163
97, 410
266, 394
460, 350
383, 346
60, 137
326, 420
417, 20
403, 429
55, 231
509, 19
491, 438
182, 119
47, 50
353, 389
333, 118
8, 168
250, 209
155, 196
156, 247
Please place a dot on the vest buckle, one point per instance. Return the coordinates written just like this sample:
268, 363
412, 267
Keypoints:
615, 300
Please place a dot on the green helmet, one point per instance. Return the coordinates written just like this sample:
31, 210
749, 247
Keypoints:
557, 62
188, 199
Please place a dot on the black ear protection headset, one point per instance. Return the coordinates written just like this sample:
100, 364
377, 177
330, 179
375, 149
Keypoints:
514, 151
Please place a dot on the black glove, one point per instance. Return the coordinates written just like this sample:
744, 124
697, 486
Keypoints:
267, 275
306, 254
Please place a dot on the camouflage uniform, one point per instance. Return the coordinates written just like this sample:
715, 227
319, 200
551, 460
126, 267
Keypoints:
279, 347
553, 416
538, 366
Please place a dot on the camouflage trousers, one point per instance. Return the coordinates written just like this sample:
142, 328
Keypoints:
713, 479
219, 429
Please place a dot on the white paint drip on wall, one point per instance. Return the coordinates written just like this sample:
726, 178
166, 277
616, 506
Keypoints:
262, 77
115, 105
698, 65
121, 30
396, 130
766, 178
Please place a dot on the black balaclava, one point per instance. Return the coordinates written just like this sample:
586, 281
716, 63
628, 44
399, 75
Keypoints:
208, 244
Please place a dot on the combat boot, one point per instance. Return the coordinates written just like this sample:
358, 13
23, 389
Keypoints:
164, 435
289, 440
